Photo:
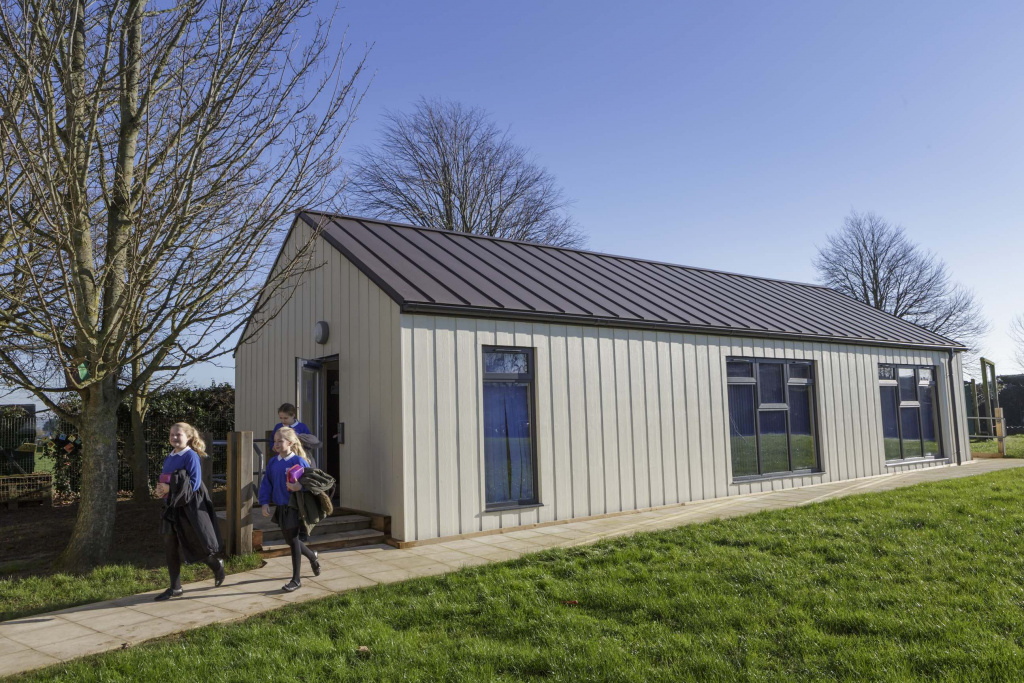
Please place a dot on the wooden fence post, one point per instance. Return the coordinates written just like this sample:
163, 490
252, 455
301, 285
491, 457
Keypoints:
240, 493
1000, 424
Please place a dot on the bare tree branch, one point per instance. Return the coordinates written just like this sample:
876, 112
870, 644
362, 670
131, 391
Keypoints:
875, 262
448, 167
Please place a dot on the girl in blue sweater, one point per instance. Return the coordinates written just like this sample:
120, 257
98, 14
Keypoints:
276, 489
187, 447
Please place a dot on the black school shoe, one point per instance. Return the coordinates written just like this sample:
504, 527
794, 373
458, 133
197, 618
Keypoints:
292, 585
218, 571
315, 563
169, 593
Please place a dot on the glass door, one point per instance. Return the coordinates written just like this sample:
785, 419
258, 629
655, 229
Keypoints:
310, 403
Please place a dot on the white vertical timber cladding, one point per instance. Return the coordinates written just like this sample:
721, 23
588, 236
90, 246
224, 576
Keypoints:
679, 409
595, 434
641, 472
667, 419
448, 479
692, 453
623, 402
544, 421
609, 422
652, 413
467, 393
577, 426
624, 419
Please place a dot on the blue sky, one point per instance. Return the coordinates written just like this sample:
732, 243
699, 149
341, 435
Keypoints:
736, 135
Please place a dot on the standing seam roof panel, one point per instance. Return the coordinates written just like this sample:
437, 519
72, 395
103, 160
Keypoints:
551, 286
623, 304
646, 299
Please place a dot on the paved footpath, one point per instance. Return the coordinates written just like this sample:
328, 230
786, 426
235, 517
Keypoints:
45, 639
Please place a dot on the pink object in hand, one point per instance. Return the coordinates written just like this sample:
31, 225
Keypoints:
165, 478
295, 473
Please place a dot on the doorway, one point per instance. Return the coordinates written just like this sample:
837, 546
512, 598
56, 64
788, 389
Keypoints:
318, 393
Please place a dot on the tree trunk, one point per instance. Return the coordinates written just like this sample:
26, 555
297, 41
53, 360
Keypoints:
140, 458
94, 527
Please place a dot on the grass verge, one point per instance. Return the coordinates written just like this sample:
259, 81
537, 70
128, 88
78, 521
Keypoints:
911, 584
1014, 446
20, 597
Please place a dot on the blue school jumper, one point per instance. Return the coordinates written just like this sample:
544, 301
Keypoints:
298, 427
274, 487
187, 460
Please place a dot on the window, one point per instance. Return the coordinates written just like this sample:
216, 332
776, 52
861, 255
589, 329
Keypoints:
510, 472
771, 417
910, 421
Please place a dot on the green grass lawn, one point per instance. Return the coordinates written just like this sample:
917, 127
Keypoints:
1014, 446
920, 583
21, 597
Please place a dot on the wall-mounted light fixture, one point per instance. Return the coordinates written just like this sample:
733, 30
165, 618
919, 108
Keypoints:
321, 332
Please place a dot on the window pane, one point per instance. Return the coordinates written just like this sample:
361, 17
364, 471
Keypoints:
739, 368
910, 421
890, 427
774, 447
741, 430
508, 452
801, 434
886, 372
799, 371
770, 382
908, 385
506, 362
924, 375
928, 426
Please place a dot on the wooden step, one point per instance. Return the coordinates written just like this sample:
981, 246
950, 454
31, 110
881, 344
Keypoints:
331, 525
343, 539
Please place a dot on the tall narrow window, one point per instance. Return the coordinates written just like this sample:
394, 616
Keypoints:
910, 426
771, 417
510, 472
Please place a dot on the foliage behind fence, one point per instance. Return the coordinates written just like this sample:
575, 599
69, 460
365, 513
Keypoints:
211, 410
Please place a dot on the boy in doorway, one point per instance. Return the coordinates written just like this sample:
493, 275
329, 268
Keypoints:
286, 414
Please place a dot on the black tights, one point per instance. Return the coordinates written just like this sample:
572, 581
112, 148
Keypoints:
174, 560
299, 550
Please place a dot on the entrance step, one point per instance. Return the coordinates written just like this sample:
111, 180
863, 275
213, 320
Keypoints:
343, 539
331, 525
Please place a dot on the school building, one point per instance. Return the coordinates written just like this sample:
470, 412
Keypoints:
463, 383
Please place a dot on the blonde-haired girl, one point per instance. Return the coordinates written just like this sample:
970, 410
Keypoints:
276, 489
188, 448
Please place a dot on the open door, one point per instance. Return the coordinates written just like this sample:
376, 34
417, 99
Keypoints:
310, 401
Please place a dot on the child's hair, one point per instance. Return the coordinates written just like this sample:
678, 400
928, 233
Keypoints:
195, 442
289, 436
288, 409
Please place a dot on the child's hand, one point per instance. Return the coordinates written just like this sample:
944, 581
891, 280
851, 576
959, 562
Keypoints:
294, 486
162, 490
266, 510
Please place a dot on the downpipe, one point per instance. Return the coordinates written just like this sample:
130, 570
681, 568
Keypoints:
953, 390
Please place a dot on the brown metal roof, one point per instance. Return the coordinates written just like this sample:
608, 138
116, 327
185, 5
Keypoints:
437, 271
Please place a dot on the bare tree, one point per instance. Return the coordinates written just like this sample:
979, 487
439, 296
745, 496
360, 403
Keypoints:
873, 261
151, 156
1017, 336
449, 167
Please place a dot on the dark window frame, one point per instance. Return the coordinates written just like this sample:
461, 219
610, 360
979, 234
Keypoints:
528, 377
787, 381
933, 382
